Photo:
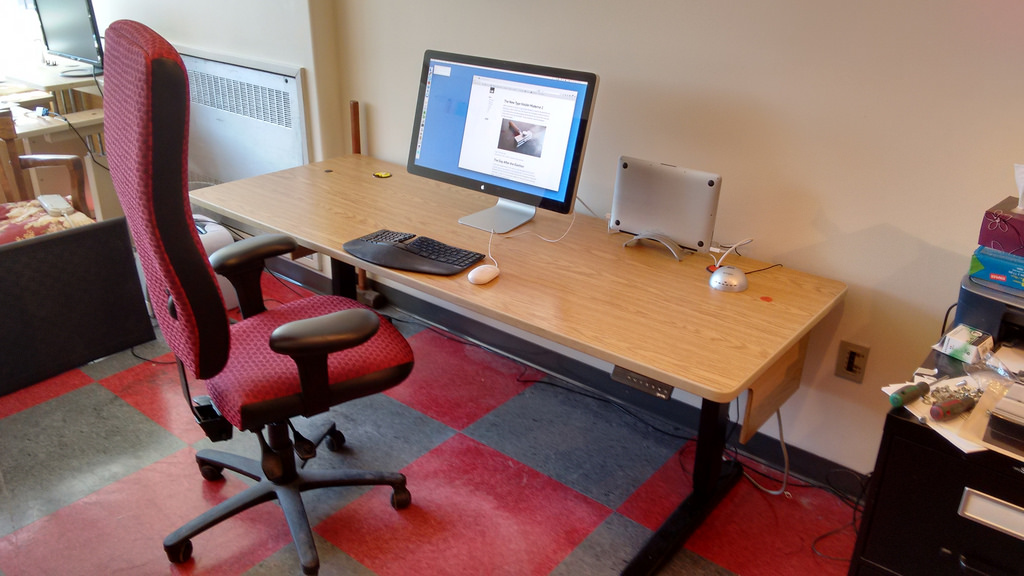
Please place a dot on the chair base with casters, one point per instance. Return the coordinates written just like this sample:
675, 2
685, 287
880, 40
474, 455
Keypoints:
286, 485
277, 472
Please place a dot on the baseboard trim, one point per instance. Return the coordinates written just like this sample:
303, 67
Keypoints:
301, 275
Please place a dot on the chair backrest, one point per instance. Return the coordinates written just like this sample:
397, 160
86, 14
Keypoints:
146, 108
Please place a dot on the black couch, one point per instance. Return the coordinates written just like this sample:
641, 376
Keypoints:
66, 299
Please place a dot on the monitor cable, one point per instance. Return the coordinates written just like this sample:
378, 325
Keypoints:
589, 209
559, 239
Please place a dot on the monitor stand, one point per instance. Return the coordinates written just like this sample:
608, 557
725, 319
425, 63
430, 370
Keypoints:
504, 216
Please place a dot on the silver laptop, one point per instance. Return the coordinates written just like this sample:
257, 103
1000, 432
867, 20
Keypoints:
661, 199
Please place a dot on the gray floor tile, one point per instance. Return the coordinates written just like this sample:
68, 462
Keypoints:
607, 550
333, 562
686, 563
610, 548
584, 443
380, 433
408, 325
59, 451
110, 365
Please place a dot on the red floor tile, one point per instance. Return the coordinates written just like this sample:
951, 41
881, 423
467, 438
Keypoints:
751, 532
119, 530
474, 511
777, 532
458, 383
41, 392
155, 390
657, 498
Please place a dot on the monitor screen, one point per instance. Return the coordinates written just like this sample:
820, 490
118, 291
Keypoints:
516, 131
70, 30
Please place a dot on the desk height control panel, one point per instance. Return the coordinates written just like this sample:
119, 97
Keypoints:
932, 509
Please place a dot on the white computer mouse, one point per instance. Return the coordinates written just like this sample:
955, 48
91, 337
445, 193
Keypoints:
483, 274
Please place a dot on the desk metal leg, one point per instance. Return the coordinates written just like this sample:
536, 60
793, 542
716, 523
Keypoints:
343, 279
712, 480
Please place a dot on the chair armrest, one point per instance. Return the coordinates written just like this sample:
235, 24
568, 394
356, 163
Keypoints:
242, 264
76, 172
255, 249
325, 334
309, 341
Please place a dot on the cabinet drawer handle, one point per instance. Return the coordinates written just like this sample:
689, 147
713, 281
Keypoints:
976, 568
992, 512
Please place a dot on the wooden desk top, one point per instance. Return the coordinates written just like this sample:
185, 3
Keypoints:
28, 125
48, 78
634, 307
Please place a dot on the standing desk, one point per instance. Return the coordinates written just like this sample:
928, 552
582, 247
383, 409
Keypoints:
637, 308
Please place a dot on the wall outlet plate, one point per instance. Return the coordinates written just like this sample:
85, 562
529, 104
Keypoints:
852, 361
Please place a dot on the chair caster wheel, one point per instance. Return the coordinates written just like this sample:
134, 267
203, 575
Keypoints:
401, 498
334, 440
211, 472
180, 552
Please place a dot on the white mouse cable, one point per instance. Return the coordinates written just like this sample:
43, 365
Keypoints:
718, 261
489, 238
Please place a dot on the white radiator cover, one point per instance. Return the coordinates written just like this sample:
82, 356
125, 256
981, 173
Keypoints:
246, 117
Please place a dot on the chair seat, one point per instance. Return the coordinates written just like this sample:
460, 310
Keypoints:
257, 375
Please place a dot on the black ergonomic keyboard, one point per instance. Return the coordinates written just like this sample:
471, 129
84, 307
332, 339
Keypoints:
404, 251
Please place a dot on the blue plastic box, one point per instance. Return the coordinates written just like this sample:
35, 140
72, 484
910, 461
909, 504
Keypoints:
998, 269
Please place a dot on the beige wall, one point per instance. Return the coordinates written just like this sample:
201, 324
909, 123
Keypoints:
278, 31
857, 139
860, 140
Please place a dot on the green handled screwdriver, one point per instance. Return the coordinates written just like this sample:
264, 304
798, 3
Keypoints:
908, 394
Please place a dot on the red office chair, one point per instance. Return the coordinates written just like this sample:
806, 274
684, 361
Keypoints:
296, 360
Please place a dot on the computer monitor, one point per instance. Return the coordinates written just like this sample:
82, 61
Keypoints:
516, 131
70, 31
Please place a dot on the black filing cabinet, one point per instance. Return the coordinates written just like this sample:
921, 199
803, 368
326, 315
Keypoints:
912, 523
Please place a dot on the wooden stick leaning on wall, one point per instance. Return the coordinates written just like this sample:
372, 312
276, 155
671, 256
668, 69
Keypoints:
353, 108
364, 293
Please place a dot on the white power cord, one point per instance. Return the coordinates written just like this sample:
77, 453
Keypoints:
718, 261
491, 238
564, 234
785, 459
